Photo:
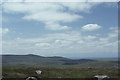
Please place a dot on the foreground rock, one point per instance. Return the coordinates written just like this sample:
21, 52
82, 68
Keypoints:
31, 78
100, 77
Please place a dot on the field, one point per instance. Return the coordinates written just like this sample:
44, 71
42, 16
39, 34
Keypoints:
58, 72
23, 66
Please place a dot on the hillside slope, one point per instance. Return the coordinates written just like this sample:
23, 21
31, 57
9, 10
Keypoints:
35, 60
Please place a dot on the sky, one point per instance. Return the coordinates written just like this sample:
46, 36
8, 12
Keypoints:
76, 29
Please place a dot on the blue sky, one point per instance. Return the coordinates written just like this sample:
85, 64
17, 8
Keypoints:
60, 29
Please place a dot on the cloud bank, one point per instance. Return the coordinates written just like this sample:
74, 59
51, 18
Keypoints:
51, 14
60, 38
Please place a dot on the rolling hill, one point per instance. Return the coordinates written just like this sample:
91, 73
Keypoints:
35, 60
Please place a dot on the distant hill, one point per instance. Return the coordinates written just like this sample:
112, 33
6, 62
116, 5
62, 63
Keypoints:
35, 60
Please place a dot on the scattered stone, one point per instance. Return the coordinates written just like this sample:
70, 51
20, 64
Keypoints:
39, 72
100, 77
31, 78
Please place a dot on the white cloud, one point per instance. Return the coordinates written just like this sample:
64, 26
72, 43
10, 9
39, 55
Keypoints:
103, 0
4, 30
50, 13
65, 43
52, 16
113, 28
81, 7
42, 45
103, 39
60, 0
112, 44
91, 27
114, 32
56, 26
81, 42
89, 37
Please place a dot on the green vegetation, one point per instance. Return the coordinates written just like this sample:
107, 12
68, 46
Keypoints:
58, 72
